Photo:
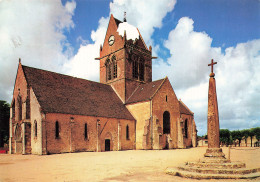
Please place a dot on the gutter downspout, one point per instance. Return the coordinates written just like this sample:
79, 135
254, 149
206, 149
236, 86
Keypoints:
97, 133
10, 130
151, 118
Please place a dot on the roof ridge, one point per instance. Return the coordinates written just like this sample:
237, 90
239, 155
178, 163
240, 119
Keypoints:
158, 87
133, 93
185, 106
63, 74
142, 38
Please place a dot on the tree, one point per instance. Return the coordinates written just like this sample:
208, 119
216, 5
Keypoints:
245, 134
224, 136
4, 122
256, 132
251, 134
236, 135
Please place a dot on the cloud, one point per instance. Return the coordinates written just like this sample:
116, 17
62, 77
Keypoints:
145, 16
84, 65
237, 76
34, 32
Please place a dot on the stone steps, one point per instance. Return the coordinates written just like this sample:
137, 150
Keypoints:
197, 175
231, 165
206, 170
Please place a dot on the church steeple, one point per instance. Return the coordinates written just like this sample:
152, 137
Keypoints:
125, 61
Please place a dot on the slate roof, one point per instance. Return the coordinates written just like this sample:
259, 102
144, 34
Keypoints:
145, 91
59, 93
184, 109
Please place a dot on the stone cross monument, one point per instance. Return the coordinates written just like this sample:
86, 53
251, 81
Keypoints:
214, 151
214, 165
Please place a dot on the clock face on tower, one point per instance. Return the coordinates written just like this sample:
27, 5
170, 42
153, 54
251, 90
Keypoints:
111, 40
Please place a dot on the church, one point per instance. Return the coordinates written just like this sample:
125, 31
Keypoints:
55, 113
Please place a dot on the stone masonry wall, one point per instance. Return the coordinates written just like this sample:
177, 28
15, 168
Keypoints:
72, 133
160, 105
141, 112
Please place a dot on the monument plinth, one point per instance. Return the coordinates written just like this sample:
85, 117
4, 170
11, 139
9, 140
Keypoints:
214, 165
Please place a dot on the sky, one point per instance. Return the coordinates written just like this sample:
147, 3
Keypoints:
65, 36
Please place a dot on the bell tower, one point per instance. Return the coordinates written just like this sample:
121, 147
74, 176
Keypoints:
125, 60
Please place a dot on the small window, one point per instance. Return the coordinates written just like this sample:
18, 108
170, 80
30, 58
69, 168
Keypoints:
57, 130
166, 98
35, 128
86, 131
127, 132
186, 128
19, 99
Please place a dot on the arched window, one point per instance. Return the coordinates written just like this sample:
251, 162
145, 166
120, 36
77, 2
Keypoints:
86, 131
127, 132
57, 130
19, 100
186, 128
141, 70
18, 132
13, 110
35, 128
135, 69
138, 67
166, 123
114, 66
108, 69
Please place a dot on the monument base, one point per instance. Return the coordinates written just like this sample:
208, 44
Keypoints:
214, 155
214, 165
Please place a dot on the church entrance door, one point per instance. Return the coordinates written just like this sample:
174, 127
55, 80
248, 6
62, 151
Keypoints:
107, 145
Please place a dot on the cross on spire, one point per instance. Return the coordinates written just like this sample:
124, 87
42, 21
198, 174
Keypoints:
124, 16
211, 64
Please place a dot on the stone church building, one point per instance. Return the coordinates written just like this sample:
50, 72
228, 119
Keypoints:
55, 113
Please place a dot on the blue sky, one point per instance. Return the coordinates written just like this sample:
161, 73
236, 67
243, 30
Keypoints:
64, 36
227, 22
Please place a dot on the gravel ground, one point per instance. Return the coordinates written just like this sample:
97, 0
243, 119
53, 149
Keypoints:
132, 165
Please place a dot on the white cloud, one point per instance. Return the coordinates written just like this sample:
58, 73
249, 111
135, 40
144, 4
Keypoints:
143, 15
83, 64
237, 76
33, 31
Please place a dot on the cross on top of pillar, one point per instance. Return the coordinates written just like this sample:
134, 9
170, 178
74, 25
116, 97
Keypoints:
211, 64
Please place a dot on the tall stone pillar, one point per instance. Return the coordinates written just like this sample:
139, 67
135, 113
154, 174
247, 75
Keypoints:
214, 152
213, 119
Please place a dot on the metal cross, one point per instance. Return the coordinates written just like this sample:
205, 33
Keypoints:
211, 64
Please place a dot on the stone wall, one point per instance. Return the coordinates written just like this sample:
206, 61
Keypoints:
187, 140
72, 133
141, 112
36, 118
160, 105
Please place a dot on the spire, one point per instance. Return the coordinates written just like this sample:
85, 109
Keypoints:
124, 16
19, 60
